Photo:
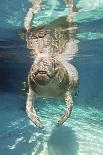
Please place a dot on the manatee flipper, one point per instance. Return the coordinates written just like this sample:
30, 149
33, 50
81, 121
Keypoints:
30, 109
69, 106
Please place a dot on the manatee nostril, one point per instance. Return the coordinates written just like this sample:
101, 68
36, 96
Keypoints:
43, 62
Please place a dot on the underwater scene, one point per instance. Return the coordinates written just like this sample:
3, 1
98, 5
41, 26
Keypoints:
82, 133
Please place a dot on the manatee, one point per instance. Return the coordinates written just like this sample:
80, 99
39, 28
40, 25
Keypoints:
50, 75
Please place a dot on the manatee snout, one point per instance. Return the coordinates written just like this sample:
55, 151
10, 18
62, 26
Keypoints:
43, 64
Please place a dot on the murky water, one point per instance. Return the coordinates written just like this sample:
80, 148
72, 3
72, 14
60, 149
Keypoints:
82, 134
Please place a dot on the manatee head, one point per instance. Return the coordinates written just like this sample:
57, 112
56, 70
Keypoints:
44, 68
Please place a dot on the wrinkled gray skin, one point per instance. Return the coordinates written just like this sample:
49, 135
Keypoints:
49, 77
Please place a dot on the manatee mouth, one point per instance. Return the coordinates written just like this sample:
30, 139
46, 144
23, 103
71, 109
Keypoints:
40, 73
41, 77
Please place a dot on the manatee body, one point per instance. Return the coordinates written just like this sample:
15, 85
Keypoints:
49, 75
49, 78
